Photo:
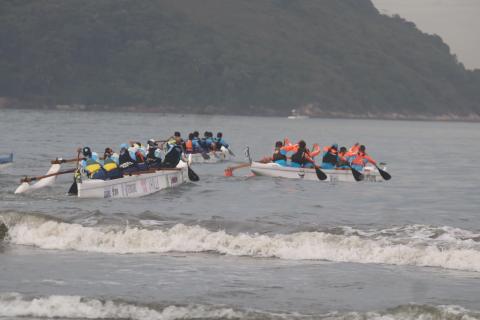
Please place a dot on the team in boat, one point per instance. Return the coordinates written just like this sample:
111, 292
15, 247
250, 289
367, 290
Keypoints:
333, 157
136, 157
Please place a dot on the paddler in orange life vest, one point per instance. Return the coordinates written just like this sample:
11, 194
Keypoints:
302, 158
91, 167
359, 160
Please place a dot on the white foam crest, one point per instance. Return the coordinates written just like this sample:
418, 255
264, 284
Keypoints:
296, 246
56, 306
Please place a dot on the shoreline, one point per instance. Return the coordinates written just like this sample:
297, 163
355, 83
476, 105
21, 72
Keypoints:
473, 118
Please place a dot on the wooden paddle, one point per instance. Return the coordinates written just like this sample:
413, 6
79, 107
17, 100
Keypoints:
30, 179
229, 170
385, 175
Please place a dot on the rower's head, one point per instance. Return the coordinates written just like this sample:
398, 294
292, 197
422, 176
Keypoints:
334, 147
278, 144
108, 151
190, 136
152, 143
124, 146
219, 135
343, 150
177, 134
87, 152
205, 134
362, 148
302, 144
196, 134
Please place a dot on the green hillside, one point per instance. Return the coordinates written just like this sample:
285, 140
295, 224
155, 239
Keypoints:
326, 57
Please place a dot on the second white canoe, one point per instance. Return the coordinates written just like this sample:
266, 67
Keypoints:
371, 174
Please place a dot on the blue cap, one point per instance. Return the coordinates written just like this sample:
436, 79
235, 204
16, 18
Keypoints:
124, 146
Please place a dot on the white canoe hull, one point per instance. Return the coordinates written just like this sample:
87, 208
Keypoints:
213, 157
371, 174
133, 186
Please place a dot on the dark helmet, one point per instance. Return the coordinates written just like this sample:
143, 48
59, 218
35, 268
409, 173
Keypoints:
219, 135
190, 136
196, 134
334, 146
278, 144
205, 134
362, 148
87, 152
343, 149
302, 144
177, 134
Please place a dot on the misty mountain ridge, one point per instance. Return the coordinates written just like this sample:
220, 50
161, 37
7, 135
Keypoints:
323, 58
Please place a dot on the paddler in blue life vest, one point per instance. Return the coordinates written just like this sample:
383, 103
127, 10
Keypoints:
330, 157
301, 158
342, 158
91, 167
280, 154
154, 157
220, 142
110, 164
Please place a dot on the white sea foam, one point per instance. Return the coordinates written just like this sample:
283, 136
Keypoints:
412, 245
15, 305
56, 306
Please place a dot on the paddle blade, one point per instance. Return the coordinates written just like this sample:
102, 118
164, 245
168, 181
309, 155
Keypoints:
228, 172
385, 175
231, 152
320, 174
357, 175
192, 175
73, 189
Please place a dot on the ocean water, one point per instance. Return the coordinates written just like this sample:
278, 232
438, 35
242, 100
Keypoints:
244, 247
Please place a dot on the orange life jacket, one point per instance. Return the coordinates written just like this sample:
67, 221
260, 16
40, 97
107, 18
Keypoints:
189, 146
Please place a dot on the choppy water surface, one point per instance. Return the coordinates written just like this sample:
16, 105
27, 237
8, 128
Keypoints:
244, 247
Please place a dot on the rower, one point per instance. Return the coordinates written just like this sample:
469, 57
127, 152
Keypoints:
342, 158
126, 159
173, 154
219, 141
154, 159
330, 157
192, 145
91, 167
110, 165
301, 158
359, 160
280, 154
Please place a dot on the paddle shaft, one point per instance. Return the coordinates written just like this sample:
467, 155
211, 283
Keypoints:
29, 179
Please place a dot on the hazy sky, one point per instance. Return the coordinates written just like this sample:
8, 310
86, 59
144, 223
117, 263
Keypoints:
456, 21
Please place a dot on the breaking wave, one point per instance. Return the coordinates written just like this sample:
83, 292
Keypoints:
415, 245
76, 307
